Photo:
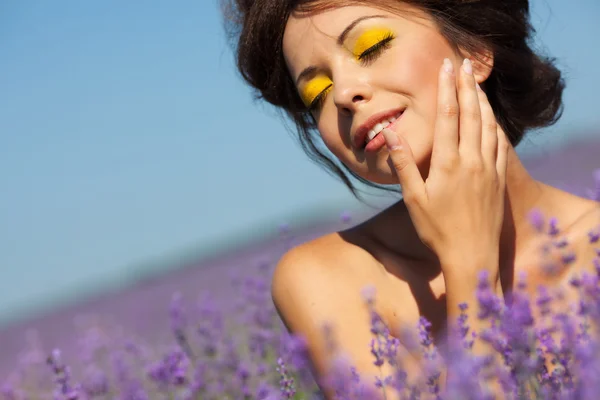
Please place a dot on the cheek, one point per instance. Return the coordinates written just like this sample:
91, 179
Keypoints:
417, 80
415, 65
330, 134
417, 75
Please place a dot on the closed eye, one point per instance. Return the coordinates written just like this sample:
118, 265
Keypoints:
366, 58
370, 54
317, 103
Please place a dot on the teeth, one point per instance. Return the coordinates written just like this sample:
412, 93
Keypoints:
380, 126
371, 135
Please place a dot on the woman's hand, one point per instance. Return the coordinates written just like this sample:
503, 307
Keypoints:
458, 210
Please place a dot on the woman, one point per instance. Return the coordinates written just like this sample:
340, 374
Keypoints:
429, 95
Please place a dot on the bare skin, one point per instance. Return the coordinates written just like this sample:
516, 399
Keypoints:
320, 281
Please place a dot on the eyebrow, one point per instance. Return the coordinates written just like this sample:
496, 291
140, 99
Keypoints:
340, 40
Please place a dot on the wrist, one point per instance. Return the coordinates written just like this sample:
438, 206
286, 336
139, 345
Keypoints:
467, 266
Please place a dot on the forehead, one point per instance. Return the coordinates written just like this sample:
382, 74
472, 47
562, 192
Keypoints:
307, 36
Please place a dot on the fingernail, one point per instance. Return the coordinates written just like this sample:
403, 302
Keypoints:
467, 66
478, 87
391, 139
448, 66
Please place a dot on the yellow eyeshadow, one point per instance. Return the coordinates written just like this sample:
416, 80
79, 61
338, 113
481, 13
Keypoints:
370, 38
313, 88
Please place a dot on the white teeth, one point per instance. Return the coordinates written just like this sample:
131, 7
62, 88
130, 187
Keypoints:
371, 135
380, 126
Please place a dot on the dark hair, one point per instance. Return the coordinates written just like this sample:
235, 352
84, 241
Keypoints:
524, 88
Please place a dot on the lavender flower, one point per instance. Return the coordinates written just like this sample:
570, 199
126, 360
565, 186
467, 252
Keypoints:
178, 319
9, 392
553, 228
536, 219
129, 386
286, 383
210, 325
594, 235
95, 382
247, 353
65, 390
171, 370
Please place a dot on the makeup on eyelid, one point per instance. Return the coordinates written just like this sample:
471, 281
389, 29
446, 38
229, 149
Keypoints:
370, 38
313, 88
365, 41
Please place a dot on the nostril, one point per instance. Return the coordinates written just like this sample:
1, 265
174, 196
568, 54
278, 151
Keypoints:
357, 98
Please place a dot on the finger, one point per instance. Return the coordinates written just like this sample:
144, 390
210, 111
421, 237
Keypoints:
445, 141
403, 162
470, 113
489, 131
502, 157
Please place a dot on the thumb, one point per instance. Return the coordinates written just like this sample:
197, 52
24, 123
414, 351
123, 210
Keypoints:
403, 162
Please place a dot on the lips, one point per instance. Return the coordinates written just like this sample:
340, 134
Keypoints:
360, 137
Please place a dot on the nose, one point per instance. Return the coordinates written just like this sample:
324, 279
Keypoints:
350, 91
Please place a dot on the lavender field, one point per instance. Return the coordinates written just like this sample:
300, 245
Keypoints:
143, 308
144, 312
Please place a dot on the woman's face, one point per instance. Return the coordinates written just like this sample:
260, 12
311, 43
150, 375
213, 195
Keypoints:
385, 66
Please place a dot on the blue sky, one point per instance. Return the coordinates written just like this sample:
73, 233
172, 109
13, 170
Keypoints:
128, 139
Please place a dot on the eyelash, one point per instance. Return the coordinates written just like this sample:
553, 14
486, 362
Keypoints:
317, 103
367, 57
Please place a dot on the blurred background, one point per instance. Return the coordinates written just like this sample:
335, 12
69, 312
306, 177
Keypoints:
130, 147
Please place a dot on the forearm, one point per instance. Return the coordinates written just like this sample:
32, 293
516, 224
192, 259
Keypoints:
464, 291
462, 288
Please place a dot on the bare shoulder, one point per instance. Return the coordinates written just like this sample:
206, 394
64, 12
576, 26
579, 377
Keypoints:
329, 254
583, 235
574, 245
319, 283
327, 270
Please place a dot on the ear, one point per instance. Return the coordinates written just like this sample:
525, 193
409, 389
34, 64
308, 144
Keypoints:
483, 62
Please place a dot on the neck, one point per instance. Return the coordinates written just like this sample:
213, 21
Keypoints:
394, 229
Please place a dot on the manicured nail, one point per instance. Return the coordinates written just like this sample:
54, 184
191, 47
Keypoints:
448, 66
467, 66
391, 139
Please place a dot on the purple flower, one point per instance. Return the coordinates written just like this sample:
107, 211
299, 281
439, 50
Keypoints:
594, 235
286, 382
210, 325
91, 342
536, 219
62, 377
171, 370
265, 391
129, 387
177, 313
544, 300
490, 306
553, 228
95, 382
295, 350
9, 392
555, 356
561, 243
178, 319
568, 258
